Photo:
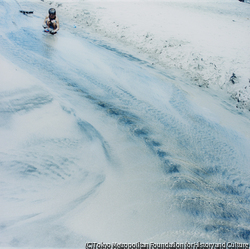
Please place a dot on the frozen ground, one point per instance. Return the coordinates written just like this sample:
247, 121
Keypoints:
208, 40
97, 145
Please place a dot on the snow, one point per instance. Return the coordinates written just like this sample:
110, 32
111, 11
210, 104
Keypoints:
207, 40
72, 172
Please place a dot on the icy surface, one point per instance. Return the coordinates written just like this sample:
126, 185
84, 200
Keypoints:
208, 40
97, 145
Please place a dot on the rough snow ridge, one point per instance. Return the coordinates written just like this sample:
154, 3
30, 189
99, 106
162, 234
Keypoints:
209, 41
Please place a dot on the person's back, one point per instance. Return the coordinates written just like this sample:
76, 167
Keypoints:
51, 21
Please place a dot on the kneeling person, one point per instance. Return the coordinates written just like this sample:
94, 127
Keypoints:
51, 21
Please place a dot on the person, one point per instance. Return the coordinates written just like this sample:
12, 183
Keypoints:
51, 21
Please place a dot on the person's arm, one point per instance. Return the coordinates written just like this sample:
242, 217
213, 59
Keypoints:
57, 24
44, 23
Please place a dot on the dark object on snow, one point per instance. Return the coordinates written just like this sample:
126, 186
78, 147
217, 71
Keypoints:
233, 78
26, 12
241, 0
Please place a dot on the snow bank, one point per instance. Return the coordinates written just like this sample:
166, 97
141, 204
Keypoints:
207, 40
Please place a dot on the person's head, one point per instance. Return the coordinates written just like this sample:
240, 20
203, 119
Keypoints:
52, 13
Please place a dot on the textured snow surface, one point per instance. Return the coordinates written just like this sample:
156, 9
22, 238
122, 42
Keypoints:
208, 40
